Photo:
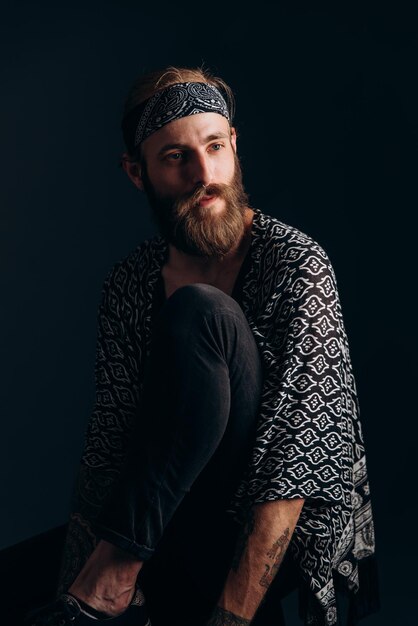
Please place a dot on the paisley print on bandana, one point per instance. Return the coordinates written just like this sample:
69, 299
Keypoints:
172, 103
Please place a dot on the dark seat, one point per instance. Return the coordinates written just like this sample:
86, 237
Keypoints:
29, 574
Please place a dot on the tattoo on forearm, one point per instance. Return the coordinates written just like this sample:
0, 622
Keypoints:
275, 554
242, 540
221, 617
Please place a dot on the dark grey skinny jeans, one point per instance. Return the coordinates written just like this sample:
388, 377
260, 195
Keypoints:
198, 415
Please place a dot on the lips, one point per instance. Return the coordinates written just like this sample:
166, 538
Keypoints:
207, 199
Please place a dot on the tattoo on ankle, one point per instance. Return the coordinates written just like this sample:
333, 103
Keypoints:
276, 554
221, 617
79, 544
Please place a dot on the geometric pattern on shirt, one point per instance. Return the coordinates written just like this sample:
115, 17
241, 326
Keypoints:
309, 440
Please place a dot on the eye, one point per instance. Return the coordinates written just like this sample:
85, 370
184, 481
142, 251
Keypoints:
174, 156
217, 146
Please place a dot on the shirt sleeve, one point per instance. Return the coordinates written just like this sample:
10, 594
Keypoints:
304, 445
116, 376
114, 413
115, 410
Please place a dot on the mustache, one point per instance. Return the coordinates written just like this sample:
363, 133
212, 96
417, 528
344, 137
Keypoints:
187, 201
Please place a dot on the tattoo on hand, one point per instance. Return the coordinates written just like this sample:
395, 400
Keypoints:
242, 541
221, 617
276, 554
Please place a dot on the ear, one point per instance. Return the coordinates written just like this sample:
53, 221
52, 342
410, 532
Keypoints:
234, 139
133, 169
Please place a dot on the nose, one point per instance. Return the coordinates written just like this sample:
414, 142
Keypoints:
200, 169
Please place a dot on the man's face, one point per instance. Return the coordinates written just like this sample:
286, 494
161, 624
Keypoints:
192, 177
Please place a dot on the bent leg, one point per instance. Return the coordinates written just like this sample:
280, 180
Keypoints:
199, 408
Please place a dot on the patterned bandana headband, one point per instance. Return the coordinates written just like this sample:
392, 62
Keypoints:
172, 103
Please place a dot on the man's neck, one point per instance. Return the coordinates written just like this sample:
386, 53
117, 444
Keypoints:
183, 263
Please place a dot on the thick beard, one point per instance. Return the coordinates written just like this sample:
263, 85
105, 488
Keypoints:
195, 229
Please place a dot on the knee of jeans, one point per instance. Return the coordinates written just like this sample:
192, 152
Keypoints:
201, 296
189, 306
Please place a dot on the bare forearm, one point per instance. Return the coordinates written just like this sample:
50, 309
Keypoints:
260, 552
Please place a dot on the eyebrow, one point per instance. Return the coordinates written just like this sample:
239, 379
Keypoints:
184, 146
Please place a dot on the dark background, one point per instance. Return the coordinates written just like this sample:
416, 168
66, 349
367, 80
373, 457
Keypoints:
327, 115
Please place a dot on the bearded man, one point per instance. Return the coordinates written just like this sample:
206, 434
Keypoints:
224, 462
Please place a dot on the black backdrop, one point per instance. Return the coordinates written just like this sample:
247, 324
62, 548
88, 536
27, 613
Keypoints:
327, 115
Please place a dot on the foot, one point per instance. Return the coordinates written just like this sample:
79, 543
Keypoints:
67, 611
107, 582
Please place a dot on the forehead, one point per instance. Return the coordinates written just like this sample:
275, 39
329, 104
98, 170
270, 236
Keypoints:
191, 130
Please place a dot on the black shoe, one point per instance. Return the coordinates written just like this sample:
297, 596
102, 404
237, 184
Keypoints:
69, 611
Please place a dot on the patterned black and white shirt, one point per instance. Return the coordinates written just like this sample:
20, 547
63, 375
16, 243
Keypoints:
309, 441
